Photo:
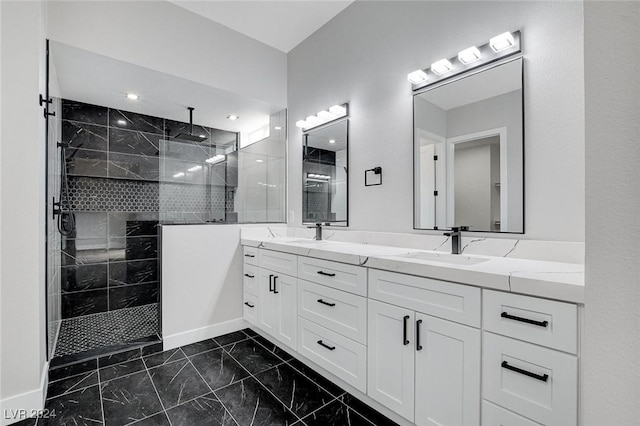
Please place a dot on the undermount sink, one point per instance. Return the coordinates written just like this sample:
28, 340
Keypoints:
454, 259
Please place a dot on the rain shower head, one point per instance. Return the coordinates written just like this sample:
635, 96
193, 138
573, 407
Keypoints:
190, 136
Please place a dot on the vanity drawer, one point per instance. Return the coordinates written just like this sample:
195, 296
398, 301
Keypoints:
250, 255
333, 352
536, 382
454, 302
344, 277
284, 263
493, 415
339, 311
251, 308
540, 321
250, 279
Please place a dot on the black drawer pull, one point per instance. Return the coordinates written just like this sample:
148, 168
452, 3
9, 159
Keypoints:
249, 305
405, 341
249, 255
527, 320
327, 274
542, 378
418, 345
326, 303
249, 276
271, 282
331, 348
275, 291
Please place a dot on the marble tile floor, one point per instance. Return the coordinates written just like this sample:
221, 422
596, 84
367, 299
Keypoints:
239, 379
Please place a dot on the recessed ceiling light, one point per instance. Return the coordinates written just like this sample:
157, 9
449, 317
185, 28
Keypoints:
132, 96
194, 168
122, 122
501, 42
417, 77
259, 161
278, 128
233, 117
469, 55
177, 175
332, 141
441, 66
202, 136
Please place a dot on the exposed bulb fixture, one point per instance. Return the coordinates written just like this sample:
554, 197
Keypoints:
312, 121
417, 77
469, 55
233, 117
178, 175
325, 115
194, 168
215, 159
122, 122
132, 96
501, 42
440, 67
338, 110
301, 124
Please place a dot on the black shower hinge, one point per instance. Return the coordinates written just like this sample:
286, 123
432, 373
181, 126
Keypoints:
435, 158
46, 103
42, 100
435, 193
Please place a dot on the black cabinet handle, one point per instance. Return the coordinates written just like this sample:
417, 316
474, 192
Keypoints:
249, 305
331, 348
405, 341
418, 345
326, 303
527, 320
542, 378
271, 282
249, 276
275, 291
327, 274
249, 255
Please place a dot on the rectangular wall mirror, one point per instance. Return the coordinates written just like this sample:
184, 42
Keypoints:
469, 150
325, 162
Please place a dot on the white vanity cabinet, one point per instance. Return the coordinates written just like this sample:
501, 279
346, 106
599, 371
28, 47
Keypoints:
425, 368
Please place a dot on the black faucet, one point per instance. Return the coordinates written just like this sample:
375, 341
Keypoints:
456, 238
318, 227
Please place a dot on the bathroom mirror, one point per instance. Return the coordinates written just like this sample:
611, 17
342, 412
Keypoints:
325, 191
468, 152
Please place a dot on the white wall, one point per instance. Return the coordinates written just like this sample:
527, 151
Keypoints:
363, 56
164, 37
22, 197
201, 282
612, 326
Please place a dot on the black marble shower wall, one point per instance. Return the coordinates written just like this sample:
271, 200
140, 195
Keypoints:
122, 184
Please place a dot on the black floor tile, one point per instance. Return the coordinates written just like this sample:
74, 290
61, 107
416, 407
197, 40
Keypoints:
163, 358
72, 370
335, 414
250, 332
80, 408
325, 383
119, 370
234, 337
206, 410
26, 422
367, 412
118, 358
129, 398
253, 356
178, 382
159, 419
196, 348
281, 353
300, 394
152, 349
72, 384
218, 368
251, 404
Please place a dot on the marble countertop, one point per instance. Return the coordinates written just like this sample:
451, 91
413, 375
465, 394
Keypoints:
553, 280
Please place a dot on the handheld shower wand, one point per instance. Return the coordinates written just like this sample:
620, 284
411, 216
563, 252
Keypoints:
66, 218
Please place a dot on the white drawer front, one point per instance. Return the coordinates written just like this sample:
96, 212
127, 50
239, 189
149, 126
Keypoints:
250, 279
507, 368
250, 255
251, 308
540, 321
347, 359
284, 263
455, 302
345, 277
493, 415
339, 311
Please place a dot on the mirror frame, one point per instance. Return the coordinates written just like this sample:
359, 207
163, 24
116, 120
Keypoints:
305, 133
413, 151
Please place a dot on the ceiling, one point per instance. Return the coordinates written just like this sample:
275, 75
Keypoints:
279, 24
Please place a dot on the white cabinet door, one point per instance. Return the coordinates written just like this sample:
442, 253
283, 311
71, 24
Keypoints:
447, 373
285, 293
267, 299
391, 357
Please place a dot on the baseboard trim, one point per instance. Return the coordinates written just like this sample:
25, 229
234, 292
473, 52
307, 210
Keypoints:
191, 336
28, 404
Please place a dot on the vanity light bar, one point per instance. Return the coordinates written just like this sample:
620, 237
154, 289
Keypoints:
498, 47
324, 116
215, 159
318, 176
